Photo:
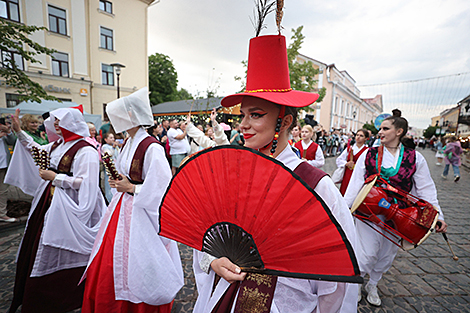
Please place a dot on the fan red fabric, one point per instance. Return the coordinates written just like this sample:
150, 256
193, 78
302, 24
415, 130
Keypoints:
291, 230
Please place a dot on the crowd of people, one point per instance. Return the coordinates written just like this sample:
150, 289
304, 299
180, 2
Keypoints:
77, 251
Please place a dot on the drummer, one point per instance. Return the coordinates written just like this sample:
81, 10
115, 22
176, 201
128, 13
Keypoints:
403, 168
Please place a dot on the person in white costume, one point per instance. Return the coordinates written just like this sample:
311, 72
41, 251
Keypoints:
201, 139
131, 268
374, 252
265, 126
65, 213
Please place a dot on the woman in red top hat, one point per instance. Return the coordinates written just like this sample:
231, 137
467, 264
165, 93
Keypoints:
268, 111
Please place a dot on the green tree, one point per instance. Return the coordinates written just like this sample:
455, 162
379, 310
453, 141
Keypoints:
430, 131
183, 94
163, 79
302, 75
15, 37
370, 126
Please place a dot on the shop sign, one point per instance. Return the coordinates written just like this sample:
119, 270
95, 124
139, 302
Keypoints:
83, 92
52, 88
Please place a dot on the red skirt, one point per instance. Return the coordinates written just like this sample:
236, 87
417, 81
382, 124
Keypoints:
346, 179
99, 285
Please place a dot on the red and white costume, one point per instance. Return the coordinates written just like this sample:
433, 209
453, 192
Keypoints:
131, 268
351, 153
311, 152
64, 219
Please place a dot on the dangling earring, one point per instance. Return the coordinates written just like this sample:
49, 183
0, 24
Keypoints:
276, 136
278, 129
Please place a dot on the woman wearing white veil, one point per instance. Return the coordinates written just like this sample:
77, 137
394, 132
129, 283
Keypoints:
131, 268
65, 214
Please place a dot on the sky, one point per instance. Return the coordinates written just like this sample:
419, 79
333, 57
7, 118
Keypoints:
376, 42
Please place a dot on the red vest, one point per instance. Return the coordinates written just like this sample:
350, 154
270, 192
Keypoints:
308, 154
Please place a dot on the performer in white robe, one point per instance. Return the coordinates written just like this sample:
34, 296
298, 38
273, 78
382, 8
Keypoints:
131, 268
65, 214
374, 252
202, 140
267, 115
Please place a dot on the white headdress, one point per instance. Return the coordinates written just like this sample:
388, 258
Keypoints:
71, 122
131, 111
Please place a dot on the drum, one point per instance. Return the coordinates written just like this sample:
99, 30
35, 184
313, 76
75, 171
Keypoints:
413, 224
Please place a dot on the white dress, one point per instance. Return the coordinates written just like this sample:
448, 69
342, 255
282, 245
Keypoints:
291, 295
147, 267
73, 218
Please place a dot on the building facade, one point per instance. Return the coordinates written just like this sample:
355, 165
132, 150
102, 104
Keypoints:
90, 36
342, 107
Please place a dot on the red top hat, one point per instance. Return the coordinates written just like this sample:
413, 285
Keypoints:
268, 75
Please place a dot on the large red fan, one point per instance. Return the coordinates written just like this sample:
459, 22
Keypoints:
235, 202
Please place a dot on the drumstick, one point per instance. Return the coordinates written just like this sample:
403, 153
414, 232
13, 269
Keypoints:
456, 258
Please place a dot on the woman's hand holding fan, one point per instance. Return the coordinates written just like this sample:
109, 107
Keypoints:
227, 270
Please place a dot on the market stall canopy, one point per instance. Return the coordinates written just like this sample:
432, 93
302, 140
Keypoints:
36, 108
183, 107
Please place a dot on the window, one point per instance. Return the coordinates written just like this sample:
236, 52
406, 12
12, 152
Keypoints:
10, 10
65, 99
107, 75
12, 100
7, 56
60, 64
57, 20
106, 38
106, 6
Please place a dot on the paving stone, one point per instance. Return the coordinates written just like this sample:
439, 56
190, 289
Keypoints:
416, 285
426, 305
425, 279
429, 266
389, 286
443, 285
454, 304
407, 266
460, 280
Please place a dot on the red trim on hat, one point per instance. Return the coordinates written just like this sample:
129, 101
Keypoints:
68, 135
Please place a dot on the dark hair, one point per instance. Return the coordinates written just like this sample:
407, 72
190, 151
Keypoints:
103, 141
292, 111
364, 131
398, 122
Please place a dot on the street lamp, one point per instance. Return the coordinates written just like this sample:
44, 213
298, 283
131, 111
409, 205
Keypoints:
117, 67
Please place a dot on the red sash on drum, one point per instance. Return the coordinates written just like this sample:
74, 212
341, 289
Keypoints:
411, 224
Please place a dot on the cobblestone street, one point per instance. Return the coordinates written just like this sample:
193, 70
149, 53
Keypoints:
425, 279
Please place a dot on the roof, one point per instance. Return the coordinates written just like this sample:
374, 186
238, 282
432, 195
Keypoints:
37, 108
447, 111
185, 106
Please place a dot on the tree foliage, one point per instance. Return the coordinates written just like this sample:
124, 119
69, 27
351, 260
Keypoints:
430, 131
370, 126
15, 37
183, 94
163, 79
302, 75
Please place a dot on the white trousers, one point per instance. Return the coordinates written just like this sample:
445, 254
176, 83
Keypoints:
375, 253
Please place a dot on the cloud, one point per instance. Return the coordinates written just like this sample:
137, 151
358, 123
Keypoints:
375, 41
